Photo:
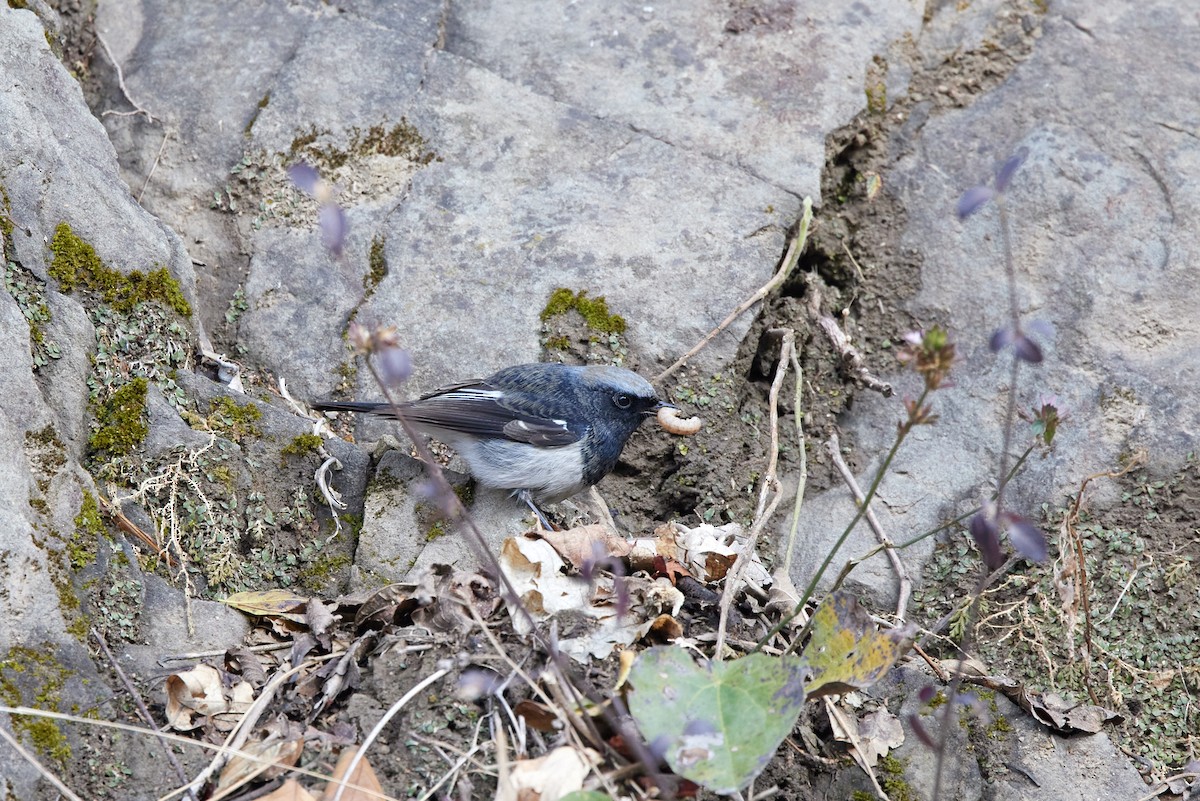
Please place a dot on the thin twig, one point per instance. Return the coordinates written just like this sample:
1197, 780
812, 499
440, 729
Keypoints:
802, 481
768, 495
851, 357
154, 166
47, 774
905, 592
457, 766
790, 259
934, 665
196, 655
141, 708
383, 721
138, 109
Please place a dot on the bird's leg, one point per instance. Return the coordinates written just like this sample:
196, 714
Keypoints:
527, 496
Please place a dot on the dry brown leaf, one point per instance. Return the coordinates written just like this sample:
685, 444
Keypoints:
608, 613
547, 778
267, 758
320, 618
706, 551
241, 661
538, 716
239, 698
269, 603
441, 592
1066, 716
386, 605
584, 545
362, 785
194, 695
783, 598
879, 732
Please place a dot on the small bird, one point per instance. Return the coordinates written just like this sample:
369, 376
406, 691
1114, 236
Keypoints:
545, 431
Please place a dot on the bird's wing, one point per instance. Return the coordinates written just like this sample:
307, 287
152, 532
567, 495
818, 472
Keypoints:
479, 409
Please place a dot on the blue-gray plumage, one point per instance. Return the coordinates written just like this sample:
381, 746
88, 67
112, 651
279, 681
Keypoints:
542, 430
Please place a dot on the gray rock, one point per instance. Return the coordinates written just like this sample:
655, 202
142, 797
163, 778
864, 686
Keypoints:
758, 86
164, 631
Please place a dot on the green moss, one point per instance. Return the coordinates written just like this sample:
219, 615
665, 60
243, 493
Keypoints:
262, 104
48, 739
223, 474
438, 529
354, 523
158, 286
74, 259
121, 419
234, 421
347, 371
862, 795
377, 264
877, 98
401, 141
89, 520
76, 264
465, 493
39, 505
998, 726
560, 342
18, 4
324, 568
36, 672
891, 779
303, 445
6, 223
593, 310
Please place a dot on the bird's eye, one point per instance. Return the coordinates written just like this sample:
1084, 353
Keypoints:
622, 400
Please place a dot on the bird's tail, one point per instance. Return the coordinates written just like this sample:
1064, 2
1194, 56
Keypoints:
362, 407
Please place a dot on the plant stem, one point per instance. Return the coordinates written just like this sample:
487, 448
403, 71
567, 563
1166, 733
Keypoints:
901, 435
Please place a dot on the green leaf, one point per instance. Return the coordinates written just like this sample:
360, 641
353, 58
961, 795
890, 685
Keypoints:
847, 652
586, 795
716, 723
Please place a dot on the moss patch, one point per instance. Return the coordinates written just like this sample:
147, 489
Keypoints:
402, 140
594, 311
89, 528
323, 569
76, 264
377, 265
234, 421
303, 445
891, 779
122, 420
34, 673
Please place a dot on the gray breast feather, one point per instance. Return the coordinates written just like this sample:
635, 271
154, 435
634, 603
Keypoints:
551, 474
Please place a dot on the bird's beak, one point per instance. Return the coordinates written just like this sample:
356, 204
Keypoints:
662, 404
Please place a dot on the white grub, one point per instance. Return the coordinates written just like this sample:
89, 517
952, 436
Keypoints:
672, 423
